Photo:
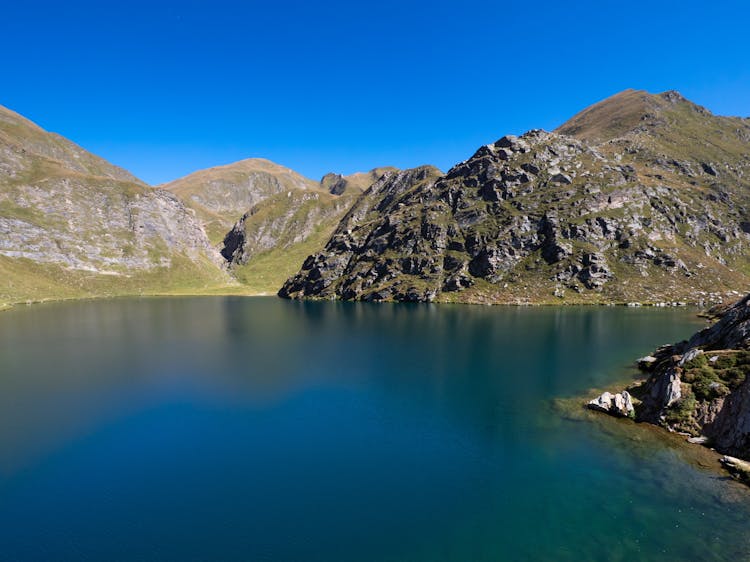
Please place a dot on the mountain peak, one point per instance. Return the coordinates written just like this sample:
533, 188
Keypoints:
612, 117
626, 112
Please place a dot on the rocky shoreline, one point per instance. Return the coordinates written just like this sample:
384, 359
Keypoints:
698, 388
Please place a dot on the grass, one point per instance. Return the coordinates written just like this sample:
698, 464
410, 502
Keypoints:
25, 281
283, 219
267, 271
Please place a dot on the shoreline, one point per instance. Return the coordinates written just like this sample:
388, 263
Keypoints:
222, 291
697, 389
229, 292
696, 454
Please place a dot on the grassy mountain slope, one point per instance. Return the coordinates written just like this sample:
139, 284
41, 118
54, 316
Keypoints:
222, 194
639, 198
270, 242
71, 224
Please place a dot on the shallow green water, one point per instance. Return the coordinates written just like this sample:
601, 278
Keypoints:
259, 429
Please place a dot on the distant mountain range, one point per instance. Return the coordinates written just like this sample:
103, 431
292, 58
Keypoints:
640, 198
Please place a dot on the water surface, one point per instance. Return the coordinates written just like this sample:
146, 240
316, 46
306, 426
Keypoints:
260, 429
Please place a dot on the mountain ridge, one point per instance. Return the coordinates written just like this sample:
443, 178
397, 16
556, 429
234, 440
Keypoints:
638, 198
654, 209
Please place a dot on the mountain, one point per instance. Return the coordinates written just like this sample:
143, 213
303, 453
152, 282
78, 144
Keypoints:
270, 241
640, 198
72, 224
265, 218
222, 194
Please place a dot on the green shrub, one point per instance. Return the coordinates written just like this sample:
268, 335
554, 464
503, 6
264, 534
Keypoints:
699, 374
733, 377
707, 389
697, 362
681, 413
726, 361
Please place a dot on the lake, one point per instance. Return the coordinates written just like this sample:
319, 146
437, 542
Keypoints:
261, 429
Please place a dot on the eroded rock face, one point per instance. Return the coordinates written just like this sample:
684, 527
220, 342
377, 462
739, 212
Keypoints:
663, 391
84, 214
728, 429
281, 221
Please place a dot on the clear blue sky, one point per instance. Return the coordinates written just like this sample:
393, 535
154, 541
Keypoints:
165, 88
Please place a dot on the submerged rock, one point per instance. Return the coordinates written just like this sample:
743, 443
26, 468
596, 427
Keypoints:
737, 467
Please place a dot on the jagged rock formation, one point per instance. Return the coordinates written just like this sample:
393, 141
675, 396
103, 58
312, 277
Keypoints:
68, 219
375, 223
640, 198
338, 184
700, 386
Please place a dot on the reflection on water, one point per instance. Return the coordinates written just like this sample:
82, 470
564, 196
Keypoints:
209, 428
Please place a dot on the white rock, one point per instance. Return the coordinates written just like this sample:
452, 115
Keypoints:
619, 404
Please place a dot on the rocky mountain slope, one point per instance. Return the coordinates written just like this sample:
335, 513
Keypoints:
270, 241
71, 224
639, 198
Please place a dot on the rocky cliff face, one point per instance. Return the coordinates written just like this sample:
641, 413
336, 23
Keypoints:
74, 213
641, 198
700, 386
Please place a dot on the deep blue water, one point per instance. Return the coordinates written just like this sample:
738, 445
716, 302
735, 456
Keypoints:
260, 429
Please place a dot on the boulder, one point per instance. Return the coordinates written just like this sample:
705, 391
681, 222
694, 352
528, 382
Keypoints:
619, 405
646, 363
737, 467
561, 178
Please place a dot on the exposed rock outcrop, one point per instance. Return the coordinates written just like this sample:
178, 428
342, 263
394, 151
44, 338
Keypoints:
373, 224
619, 404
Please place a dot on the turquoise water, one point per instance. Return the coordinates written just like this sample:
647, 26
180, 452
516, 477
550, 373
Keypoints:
260, 429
